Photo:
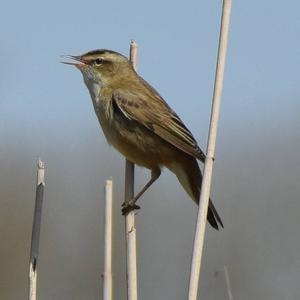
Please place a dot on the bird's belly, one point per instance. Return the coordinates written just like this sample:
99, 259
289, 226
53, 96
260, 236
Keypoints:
137, 143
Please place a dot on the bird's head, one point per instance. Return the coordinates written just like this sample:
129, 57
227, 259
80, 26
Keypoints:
101, 67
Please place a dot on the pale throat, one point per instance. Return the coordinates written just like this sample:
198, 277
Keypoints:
94, 87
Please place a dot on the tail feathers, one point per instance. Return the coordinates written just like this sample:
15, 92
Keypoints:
190, 177
213, 217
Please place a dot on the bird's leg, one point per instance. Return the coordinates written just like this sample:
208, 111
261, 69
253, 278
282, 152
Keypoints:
130, 204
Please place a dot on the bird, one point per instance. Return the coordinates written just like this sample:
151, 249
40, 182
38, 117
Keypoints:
140, 124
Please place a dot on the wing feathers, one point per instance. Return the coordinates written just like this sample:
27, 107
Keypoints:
156, 115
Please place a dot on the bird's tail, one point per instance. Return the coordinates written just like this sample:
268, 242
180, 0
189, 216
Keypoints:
190, 177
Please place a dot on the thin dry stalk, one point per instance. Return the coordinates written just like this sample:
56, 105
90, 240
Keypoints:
107, 274
208, 166
228, 285
130, 218
35, 237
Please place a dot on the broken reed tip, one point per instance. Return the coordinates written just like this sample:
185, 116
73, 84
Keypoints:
41, 164
133, 43
108, 182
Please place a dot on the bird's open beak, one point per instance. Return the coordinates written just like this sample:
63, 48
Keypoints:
79, 61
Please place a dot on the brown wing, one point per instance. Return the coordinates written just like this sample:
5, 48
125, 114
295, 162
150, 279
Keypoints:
151, 111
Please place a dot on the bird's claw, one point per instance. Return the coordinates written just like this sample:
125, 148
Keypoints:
127, 207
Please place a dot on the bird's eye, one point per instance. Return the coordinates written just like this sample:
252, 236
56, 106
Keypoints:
98, 61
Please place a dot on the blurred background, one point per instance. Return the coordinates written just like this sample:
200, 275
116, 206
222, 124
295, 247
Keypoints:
45, 111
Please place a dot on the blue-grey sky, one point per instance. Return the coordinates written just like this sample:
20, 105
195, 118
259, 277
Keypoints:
45, 110
177, 55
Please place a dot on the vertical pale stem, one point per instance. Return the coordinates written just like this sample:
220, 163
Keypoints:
107, 275
130, 218
228, 285
35, 237
208, 166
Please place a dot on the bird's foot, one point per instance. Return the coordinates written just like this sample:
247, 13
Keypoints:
128, 206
